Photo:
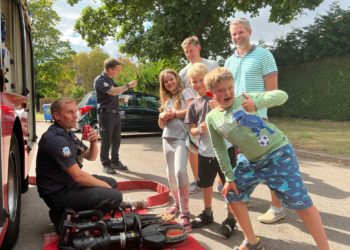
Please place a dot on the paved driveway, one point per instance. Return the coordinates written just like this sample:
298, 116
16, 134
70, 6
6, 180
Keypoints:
328, 185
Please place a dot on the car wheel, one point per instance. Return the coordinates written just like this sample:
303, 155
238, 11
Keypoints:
14, 194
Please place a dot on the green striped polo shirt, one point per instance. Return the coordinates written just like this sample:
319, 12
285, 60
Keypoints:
249, 71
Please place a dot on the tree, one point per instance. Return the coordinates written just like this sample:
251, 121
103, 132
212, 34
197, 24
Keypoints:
288, 49
154, 29
88, 65
51, 55
329, 36
148, 76
55, 78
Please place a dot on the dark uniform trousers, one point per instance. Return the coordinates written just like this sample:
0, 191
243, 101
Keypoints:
83, 198
110, 129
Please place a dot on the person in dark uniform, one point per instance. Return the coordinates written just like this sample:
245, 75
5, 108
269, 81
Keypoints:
108, 114
60, 180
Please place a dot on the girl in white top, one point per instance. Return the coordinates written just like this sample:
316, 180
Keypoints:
174, 101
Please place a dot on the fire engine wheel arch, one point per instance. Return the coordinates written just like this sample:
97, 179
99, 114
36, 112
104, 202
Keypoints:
14, 193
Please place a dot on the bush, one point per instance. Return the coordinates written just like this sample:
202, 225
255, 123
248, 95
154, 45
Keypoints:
317, 90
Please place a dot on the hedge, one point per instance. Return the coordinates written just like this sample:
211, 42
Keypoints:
317, 90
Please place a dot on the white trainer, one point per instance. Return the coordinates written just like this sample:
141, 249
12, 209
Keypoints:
270, 216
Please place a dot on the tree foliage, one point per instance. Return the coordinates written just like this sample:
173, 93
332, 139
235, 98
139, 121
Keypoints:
146, 74
129, 71
88, 65
154, 29
55, 78
51, 55
328, 37
148, 77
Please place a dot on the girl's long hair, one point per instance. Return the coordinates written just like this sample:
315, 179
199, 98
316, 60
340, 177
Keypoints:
166, 95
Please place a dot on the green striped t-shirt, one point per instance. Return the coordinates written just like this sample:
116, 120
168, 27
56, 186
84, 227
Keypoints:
249, 71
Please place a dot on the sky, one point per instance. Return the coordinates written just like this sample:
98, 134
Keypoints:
262, 29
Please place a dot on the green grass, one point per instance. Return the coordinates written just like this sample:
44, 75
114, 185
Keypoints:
318, 136
39, 117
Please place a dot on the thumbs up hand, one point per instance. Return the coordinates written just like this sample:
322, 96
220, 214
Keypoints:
249, 104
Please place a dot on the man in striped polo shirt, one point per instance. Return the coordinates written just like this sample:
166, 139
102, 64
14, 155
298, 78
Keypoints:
254, 70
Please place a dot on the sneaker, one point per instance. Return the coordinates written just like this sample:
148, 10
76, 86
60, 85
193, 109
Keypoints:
202, 220
271, 216
185, 222
108, 170
227, 227
119, 166
194, 188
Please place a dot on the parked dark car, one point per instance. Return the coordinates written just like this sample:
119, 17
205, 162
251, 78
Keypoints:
138, 111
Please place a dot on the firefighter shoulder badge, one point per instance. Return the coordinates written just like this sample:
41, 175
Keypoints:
66, 151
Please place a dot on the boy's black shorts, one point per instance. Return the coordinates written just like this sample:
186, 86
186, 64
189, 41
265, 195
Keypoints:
208, 168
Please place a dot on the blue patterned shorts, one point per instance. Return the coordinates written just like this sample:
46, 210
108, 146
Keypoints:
279, 171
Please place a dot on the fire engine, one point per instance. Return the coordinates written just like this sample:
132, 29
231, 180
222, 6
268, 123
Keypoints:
17, 114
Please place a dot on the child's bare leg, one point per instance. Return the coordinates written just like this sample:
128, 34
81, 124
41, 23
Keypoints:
193, 159
219, 182
207, 196
312, 220
274, 200
241, 212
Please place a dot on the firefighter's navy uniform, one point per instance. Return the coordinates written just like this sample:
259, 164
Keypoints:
108, 119
58, 150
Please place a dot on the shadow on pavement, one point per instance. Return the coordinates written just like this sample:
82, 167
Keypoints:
211, 232
321, 188
35, 221
333, 223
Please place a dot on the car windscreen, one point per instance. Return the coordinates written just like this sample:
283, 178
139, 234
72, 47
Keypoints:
89, 99
126, 100
147, 101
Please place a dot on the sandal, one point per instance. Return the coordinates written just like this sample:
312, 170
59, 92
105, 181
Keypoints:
185, 222
247, 245
173, 210
171, 213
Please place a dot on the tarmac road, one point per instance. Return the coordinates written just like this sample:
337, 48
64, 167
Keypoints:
328, 184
